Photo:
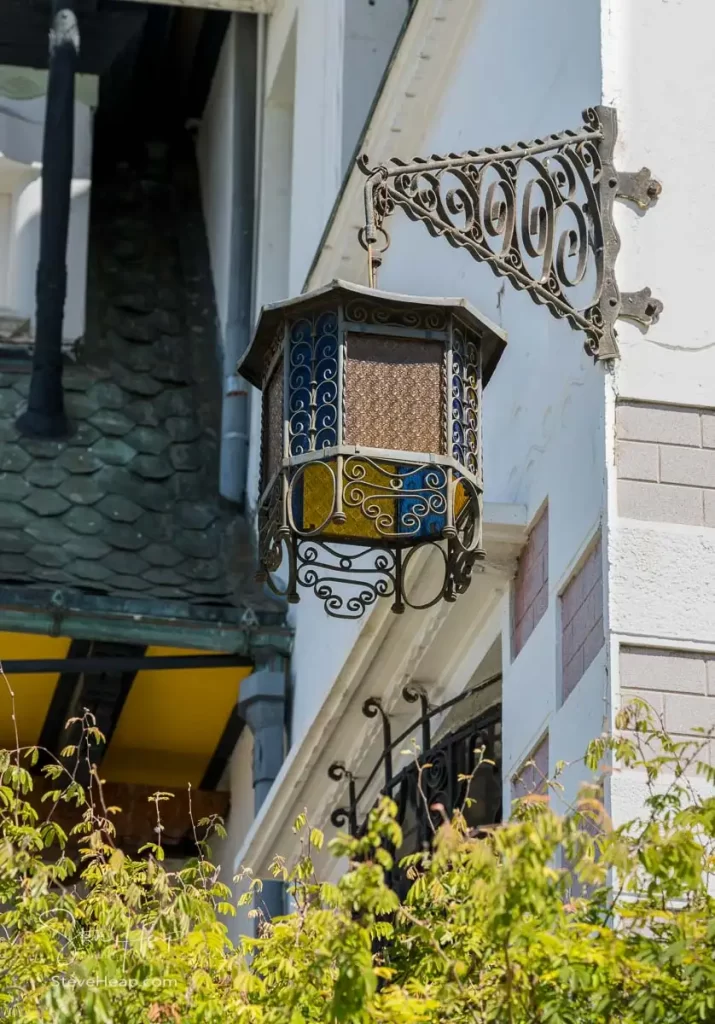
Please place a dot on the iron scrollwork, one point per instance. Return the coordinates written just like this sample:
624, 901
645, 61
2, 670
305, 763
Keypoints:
462, 771
400, 506
313, 383
346, 580
538, 213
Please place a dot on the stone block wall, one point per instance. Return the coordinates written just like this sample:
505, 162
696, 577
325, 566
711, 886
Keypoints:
582, 635
665, 458
531, 586
678, 685
665, 463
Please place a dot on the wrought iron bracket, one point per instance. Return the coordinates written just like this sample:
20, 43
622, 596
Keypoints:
539, 213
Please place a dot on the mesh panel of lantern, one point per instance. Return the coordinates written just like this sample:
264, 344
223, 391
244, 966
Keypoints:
371, 442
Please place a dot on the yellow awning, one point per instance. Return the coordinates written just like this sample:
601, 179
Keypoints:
169, 727
33, 693
171, 723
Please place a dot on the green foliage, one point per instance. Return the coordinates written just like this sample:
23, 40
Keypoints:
549, 918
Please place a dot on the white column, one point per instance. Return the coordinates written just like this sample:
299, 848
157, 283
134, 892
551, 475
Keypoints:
317, 129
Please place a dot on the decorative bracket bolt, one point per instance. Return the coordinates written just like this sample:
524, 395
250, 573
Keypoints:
638, 187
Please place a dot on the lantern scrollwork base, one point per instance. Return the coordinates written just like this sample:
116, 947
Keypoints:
315, 540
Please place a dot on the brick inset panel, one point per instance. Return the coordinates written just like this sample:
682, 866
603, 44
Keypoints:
532, 776
582, 635
665, 458
531, 586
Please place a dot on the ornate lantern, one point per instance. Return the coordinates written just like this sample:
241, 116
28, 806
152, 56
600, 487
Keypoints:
371, 442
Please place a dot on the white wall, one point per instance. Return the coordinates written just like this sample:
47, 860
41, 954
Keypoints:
527, 70
370, 33
324, 65
26, 249
544, 408
275, 202
317, 129
659, 74
665, 97
214, 153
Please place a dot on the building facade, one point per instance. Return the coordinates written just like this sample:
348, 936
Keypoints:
599, 474
598, 525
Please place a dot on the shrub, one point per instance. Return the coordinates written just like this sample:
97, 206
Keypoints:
548, 918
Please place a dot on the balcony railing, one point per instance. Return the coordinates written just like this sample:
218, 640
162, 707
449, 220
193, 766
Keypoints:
460, 771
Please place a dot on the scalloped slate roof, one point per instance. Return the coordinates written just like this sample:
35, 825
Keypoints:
128, 506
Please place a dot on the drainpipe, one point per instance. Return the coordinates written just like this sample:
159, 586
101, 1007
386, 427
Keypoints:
235, 427
45, 414
262, 704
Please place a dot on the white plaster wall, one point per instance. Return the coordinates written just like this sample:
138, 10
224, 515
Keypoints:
548, 415
272, 250
665, 97
305, 124
26, 249
21, 131
544, 408
214, 153
317, 128
659, 74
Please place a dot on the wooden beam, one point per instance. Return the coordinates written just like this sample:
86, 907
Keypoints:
104, 694
224, 749
59, 709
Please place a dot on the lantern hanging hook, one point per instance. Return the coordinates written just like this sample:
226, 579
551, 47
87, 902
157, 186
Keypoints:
369, 236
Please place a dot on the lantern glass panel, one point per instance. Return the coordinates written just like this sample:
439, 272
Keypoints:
314, 494
313, 382
393, 393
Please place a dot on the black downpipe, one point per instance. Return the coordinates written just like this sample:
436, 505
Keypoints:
45, 414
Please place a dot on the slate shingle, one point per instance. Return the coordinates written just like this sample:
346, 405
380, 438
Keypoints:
45, 503
128, 504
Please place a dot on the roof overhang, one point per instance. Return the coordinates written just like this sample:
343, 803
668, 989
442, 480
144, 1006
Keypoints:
128, 688
87, 617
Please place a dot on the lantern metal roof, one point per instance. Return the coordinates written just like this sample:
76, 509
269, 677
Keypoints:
252, 364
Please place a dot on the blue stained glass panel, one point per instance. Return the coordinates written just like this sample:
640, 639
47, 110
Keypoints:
424, 514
